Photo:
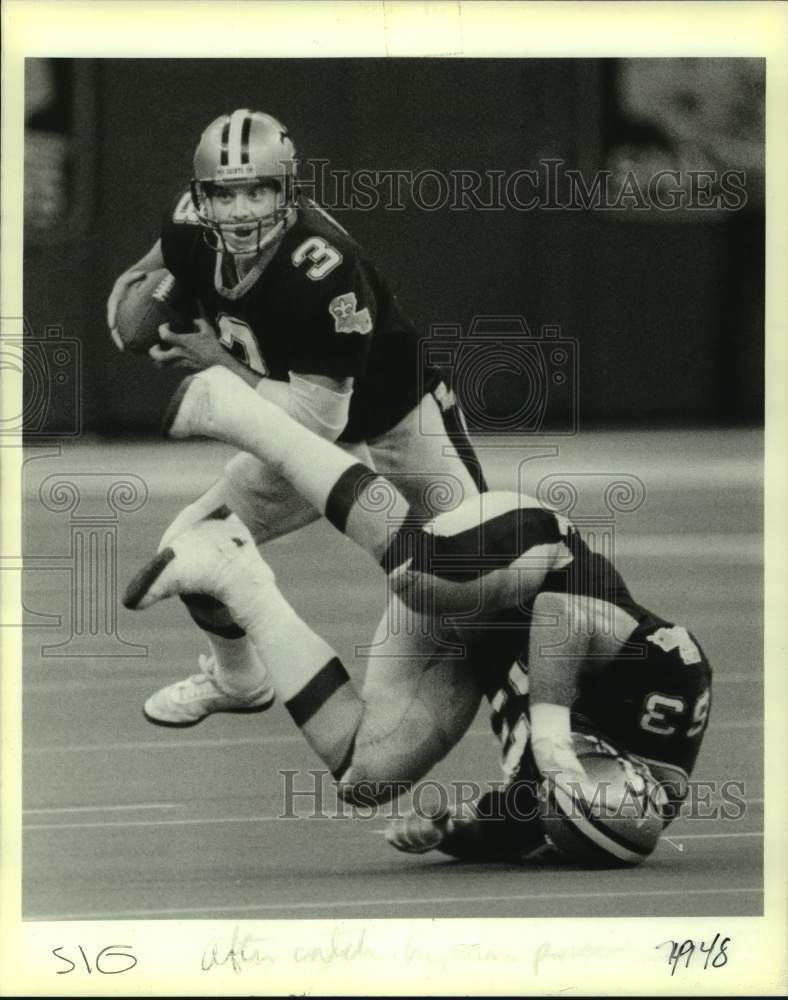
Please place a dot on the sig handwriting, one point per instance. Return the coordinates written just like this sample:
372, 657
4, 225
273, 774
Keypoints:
716, 953
109, 961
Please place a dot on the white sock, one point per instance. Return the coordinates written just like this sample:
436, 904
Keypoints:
239, 669
292, 652
308, 678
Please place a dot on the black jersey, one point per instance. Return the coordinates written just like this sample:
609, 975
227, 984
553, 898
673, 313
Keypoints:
502, 641
653, 696
320, 307
499, 647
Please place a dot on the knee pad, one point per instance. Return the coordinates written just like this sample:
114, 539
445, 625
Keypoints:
621, 824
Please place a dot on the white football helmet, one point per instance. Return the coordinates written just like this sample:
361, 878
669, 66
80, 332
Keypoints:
613, 818
243, 147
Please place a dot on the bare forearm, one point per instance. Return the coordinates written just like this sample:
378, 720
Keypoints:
553, 679
557, 648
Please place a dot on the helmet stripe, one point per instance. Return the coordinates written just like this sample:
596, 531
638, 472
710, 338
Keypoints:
237, 120
246, 128
225, 141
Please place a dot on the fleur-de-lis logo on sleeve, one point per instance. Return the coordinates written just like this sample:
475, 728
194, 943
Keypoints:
348, 318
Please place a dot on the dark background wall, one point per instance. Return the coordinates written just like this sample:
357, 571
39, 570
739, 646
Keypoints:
668, 316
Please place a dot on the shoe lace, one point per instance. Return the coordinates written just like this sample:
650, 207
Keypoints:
207, 676
207, 664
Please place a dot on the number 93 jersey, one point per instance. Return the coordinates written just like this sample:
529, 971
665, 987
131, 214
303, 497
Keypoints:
319, 307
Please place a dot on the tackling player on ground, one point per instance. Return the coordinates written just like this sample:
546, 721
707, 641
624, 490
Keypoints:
293, 306
588, 688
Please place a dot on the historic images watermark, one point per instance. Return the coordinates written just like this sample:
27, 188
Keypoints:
510, 379
49, 365
312, 794
549, 185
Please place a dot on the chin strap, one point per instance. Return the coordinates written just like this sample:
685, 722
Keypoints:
214, 235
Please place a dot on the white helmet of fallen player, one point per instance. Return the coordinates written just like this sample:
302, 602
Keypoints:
613, 816
489, 554
238, 151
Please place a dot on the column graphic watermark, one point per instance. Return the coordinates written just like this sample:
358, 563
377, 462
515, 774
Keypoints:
93, 504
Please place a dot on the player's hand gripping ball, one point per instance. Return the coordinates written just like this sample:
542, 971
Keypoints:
155, 299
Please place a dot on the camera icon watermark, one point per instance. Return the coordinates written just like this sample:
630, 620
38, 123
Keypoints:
47, 370
507, 379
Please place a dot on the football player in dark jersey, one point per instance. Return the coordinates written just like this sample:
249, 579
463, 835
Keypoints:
292, 305
591, 693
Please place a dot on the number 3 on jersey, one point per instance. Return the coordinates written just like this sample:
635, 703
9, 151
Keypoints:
323, 256
239, 340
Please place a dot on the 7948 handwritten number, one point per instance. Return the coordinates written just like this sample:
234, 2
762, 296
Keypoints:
686, 949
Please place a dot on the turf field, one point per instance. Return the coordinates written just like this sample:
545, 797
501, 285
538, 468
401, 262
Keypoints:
122, 819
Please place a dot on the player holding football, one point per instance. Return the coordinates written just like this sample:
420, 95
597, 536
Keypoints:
589, 690
294, 307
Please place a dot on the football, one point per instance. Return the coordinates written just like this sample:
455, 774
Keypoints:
619, 822
155, 299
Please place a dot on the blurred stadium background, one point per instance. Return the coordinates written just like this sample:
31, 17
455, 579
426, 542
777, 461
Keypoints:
666, 309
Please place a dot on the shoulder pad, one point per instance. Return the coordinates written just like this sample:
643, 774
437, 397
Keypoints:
184, 211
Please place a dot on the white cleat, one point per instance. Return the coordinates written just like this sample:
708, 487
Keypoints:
188, 702
217, 557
